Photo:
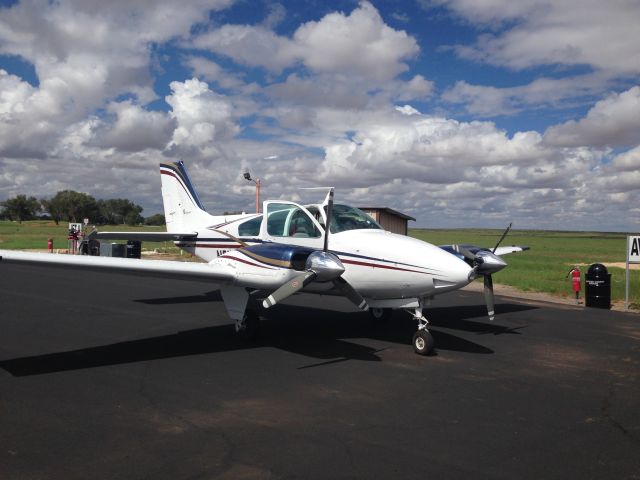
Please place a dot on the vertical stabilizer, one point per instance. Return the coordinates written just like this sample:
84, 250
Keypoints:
183, 210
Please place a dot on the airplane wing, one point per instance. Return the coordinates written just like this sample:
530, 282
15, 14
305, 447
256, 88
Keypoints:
156, 268
144, 236
500, 251
510, 249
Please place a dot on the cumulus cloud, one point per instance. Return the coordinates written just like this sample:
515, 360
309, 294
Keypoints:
202, 116
491, 101
571, 32
25, 118
614, 121
210, 71
358, 44
324, 113
437, 150
85, 54
134, 129
592, 37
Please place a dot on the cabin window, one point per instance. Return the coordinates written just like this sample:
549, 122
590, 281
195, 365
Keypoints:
250, 228
346, 218
288, 220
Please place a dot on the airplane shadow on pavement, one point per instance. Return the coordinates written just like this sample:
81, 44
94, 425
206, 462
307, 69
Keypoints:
315, 333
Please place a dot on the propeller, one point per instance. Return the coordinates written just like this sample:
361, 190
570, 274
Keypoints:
502, 238
485, 263
321, 266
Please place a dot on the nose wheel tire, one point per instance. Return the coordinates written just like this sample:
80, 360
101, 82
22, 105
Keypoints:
423, 342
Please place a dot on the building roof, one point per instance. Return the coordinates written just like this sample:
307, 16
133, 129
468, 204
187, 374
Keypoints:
389, 211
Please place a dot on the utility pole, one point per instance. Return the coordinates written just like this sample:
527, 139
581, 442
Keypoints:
247, 176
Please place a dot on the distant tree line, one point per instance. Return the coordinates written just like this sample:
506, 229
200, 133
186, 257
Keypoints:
71, 206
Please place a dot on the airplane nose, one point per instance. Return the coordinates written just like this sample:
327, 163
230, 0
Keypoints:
455, 273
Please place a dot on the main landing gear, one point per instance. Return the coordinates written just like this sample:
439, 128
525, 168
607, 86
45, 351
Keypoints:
249, 326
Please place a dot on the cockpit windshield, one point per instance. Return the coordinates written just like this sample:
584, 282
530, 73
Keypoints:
346, 218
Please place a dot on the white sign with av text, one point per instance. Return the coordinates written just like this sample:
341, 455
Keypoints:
633, 256
633, 249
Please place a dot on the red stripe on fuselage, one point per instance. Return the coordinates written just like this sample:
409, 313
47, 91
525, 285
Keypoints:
375, 265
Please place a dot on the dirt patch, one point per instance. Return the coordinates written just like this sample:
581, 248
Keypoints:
632, 266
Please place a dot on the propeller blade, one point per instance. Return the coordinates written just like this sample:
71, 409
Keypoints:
348, 291
289, 288
464, 252
502, 238
488, 296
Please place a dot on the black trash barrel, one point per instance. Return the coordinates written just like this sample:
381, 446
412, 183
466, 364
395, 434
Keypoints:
134, 249
597, 282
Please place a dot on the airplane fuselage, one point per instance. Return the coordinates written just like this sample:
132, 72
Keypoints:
381, 265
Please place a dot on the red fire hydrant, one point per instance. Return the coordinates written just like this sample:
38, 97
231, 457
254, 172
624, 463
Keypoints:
50, 245
576, 283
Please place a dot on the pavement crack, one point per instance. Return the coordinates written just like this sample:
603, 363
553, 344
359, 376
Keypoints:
144, 392
605, 410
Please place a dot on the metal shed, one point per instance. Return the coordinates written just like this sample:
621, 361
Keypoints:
389, 219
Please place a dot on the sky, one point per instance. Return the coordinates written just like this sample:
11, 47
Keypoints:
460, 113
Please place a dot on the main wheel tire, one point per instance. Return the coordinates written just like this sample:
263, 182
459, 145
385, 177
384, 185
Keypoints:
251, 325
380, 315
423, 342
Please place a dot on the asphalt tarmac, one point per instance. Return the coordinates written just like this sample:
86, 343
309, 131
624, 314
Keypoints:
109, 376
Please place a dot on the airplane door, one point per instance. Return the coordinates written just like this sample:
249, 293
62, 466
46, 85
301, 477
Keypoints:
288, 222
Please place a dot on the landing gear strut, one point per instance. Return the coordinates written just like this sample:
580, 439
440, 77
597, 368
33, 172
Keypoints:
422, 341
249, 326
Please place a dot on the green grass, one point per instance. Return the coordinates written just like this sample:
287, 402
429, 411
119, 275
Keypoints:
545, 266
34, 234
541, 269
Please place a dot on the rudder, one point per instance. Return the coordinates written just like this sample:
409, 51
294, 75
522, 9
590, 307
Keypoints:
183, 210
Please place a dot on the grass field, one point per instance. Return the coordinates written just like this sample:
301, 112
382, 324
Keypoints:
544, 268
34, 235
541, 269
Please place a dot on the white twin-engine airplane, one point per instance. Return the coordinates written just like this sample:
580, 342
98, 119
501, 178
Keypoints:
287, 249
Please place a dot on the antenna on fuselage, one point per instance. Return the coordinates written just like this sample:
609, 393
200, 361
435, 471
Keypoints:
327, 228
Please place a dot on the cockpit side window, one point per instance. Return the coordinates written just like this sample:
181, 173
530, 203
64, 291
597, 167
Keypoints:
250, 228
346, 218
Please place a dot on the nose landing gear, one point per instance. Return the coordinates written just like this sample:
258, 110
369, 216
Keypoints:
423, 343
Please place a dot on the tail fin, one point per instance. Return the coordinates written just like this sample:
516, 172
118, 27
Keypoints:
182, 207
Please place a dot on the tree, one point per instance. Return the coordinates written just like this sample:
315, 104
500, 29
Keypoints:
20, 208
71, 206
156, 220
119, 210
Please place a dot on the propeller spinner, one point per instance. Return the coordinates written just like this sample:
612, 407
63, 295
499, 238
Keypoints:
485, 263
